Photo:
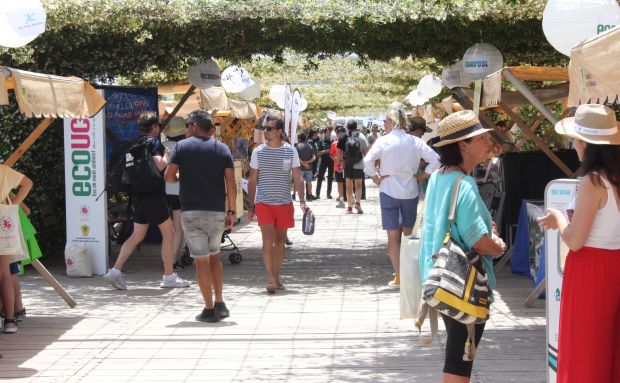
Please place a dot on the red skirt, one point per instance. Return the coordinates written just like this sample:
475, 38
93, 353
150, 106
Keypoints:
589, 339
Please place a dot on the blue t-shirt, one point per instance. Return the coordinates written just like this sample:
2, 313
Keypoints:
201, 162
473, 220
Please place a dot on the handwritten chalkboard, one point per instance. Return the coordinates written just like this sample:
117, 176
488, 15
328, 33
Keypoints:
124, 106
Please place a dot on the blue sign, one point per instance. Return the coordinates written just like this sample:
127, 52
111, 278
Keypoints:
124, 106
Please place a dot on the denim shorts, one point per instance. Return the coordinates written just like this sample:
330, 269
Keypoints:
203, 231
307, 175
395, 211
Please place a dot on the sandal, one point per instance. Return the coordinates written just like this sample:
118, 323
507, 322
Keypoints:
271, 287
10, 330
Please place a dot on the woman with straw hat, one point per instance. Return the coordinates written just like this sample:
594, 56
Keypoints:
589, 338
463, 145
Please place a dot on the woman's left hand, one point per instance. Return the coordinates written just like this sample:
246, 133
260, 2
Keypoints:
551, 220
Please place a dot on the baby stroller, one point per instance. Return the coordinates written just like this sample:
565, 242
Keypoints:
234, 257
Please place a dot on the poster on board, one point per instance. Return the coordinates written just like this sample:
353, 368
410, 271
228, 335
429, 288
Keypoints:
558, 195
124, 106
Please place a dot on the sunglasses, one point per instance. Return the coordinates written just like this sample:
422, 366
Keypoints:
269, 128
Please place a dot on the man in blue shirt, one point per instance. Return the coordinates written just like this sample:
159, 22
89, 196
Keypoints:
203, 164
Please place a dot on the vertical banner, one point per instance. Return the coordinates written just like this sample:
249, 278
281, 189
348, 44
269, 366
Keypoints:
84, 181
288, 103
295, 107
558, 194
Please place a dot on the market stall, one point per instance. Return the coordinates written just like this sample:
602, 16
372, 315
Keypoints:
48, 97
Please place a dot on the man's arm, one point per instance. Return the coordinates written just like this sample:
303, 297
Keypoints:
252, 191
231, 194
299, 187
161, 161
170, 176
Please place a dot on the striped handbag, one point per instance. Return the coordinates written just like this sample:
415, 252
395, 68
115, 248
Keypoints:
457, 285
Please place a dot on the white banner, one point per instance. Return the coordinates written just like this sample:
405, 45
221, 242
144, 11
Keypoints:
295, 107
87, 220
558, 194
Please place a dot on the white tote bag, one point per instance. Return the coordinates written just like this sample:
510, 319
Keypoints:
12, 242
410, 284
78, 261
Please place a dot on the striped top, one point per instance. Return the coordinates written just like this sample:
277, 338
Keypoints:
274, 167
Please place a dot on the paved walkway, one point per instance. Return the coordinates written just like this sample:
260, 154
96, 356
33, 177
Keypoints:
335, 322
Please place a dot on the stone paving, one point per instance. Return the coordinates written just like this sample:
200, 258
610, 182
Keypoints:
336, 322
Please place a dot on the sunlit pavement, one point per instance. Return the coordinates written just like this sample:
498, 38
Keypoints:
336, 321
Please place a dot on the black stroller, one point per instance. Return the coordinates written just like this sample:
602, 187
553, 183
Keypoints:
234, 256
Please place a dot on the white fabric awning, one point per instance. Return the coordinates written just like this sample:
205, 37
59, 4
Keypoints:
43, 95
593, 69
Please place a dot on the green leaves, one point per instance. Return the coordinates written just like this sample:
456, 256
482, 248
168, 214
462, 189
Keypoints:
110, 38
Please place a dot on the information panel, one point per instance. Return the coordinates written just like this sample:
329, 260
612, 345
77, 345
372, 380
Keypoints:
558, 195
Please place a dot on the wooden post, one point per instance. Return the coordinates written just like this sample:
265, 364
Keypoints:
49, 278
189, 92
485, 120
29, 141
537, 140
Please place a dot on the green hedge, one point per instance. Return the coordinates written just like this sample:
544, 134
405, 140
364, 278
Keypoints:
109, 38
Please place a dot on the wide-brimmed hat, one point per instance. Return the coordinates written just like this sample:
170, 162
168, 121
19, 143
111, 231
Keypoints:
459, 126
175, 128
593, 123
419, 123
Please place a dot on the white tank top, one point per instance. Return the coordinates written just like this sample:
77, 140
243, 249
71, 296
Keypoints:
605, 233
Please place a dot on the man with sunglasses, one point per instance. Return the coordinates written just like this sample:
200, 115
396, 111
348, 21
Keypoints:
207, 179
269, 189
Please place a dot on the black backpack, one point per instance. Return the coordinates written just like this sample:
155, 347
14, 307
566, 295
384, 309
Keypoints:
117, 179
352, 149
141, 171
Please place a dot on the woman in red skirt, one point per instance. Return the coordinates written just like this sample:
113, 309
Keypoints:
589, 339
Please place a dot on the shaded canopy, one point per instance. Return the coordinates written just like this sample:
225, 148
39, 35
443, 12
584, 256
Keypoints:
110, 38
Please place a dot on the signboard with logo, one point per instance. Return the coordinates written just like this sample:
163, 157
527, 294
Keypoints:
204, 74
558, 194
84, 182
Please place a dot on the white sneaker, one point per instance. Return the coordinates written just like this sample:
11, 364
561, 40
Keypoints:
173, 280
115, 279
340, 205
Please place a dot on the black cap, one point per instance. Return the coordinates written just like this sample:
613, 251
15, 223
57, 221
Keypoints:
419, 123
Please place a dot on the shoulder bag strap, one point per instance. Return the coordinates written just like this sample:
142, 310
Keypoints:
454, 198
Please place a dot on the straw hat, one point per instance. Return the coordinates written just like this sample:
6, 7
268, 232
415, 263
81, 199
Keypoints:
459, 126
176, 127
593, 123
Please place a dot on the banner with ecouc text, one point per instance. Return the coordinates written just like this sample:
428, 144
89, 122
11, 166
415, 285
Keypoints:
84, 182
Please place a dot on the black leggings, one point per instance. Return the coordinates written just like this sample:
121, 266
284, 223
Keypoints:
455, 346
326, 165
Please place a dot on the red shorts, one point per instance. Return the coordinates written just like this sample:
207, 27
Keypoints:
280, 216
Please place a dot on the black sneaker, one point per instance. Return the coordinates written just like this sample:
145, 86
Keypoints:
329, 196
208, 315
222, 310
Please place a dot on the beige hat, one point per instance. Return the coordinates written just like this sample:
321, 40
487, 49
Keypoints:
593, 123
459, 126
176, 127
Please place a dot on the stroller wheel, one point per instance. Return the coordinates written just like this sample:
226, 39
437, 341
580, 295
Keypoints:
235, 258
186, 259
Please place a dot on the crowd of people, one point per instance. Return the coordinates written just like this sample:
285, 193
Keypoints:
193, 203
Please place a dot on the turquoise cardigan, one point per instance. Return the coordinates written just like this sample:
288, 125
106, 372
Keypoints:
473, 220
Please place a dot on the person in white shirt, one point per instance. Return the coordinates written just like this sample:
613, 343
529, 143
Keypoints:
399, 154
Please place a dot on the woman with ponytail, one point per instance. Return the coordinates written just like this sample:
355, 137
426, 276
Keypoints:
392, 162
